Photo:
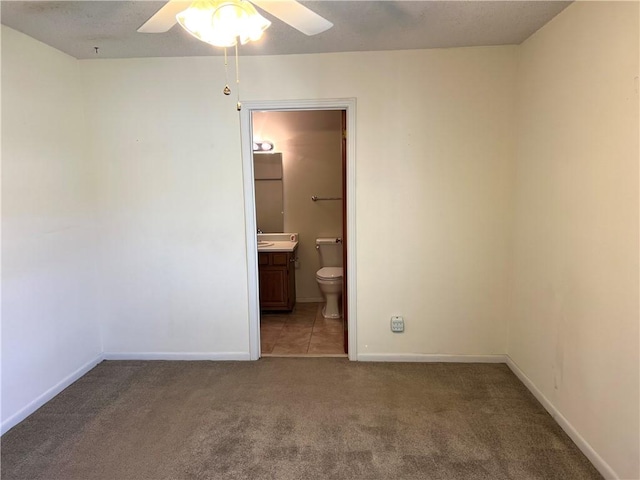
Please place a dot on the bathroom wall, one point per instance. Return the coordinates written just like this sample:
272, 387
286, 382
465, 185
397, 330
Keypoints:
50, 240
574, 323
310, 143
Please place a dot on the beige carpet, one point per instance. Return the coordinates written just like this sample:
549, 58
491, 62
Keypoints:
292, 418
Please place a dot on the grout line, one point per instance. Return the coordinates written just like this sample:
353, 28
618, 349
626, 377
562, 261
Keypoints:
315, 316
277, 338
313, 326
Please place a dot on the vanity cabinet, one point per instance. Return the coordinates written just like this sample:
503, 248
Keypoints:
277, 276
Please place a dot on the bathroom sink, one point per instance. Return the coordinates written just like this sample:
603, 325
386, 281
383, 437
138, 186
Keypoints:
277, 242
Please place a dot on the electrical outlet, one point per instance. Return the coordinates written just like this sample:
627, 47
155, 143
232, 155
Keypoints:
397, 324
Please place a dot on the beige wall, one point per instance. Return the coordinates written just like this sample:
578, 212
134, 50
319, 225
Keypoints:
50, 241
433, 173
310, 143
171, 198
447, 230
574, 325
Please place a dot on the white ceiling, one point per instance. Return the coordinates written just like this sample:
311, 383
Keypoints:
76, 27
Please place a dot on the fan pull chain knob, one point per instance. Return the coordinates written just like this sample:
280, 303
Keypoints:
226, 90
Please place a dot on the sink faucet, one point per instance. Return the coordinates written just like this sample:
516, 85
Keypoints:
259, 231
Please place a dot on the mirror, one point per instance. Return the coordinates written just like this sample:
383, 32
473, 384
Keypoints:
267, 170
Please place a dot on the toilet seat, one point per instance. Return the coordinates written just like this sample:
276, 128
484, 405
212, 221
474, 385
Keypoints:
329, 273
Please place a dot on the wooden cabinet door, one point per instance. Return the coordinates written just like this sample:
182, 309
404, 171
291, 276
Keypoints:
277, 281
280, 259
272, 292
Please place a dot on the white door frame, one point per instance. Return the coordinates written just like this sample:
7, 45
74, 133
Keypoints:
246, 138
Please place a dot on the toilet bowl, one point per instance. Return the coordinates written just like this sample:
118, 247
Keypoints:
330, 282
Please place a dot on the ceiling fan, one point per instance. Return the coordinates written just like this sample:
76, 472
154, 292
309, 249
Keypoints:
291, 12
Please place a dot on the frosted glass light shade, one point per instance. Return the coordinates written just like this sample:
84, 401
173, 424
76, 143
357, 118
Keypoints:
222, 22
262, 146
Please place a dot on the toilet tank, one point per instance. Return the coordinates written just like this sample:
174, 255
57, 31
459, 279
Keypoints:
330, 249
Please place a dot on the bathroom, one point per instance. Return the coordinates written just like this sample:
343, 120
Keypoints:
309, 146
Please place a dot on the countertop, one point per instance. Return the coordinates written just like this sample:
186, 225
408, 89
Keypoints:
279, 246
278, 242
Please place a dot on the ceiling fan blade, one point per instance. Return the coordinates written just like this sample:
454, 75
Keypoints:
296, 15
165, 18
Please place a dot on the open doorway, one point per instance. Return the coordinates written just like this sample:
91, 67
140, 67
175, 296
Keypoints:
311, 171
298, 184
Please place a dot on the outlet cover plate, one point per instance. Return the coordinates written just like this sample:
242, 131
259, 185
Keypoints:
397, 324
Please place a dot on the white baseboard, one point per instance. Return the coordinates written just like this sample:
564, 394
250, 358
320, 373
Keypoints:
176, 356
39, 401
310, 300
430, 358
603, 467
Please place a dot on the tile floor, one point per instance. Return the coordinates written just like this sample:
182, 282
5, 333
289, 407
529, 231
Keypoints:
304, 331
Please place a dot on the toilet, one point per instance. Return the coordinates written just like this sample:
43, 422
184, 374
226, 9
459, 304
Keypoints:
329, 277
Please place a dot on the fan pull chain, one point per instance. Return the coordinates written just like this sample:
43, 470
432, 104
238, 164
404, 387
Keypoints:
226, 90
238, 105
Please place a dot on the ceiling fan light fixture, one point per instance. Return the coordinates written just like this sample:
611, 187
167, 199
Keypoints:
222, 23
